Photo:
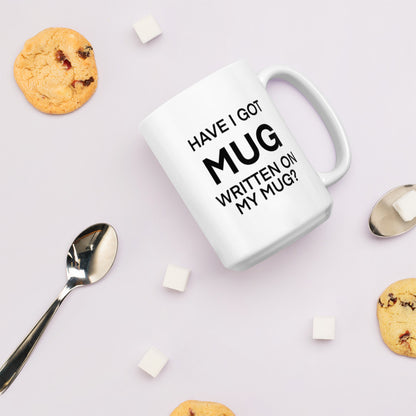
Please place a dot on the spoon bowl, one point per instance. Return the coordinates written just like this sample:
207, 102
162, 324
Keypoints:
384, 220
89, 258
91, 255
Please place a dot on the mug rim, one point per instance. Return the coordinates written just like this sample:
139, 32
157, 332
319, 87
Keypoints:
182, 92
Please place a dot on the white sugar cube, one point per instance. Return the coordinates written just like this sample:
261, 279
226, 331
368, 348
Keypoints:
176, 278
406, 206
152, 362
147, 28
323, 328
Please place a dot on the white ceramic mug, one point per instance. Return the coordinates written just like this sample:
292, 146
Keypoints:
236, 165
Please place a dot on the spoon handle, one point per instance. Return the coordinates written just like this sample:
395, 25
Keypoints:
17, 360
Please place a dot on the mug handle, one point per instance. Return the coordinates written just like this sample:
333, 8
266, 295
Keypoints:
325, 112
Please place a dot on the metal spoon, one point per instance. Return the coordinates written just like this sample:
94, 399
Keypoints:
384, 220
89, 258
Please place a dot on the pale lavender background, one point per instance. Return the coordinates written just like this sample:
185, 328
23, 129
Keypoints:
239, 338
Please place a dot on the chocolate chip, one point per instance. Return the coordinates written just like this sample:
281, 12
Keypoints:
88, 81
411, 305
60, 56
84, 82
191, 412
84, 53
67, 64
392, 300
404, 337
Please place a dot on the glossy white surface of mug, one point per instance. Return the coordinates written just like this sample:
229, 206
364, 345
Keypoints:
237, 167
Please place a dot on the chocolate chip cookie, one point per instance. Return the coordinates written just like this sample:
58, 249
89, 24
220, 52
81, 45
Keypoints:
56, 70
396, 313
197, 408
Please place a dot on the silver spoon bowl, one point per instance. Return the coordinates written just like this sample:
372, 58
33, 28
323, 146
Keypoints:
89, 258
384, 220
